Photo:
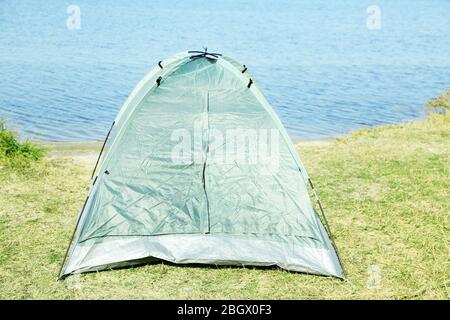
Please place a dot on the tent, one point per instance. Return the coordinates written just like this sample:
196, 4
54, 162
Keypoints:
197, 168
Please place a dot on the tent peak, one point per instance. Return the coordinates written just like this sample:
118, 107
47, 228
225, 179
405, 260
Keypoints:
205, 53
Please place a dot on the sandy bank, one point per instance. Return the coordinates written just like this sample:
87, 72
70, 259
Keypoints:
87, 152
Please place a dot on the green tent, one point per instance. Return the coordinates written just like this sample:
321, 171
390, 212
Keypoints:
197, 168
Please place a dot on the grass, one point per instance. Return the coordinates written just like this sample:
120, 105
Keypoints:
385, 190
440, 104
16, 154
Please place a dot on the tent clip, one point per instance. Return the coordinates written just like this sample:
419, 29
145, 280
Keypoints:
160, 65
245, 69
158, 81
250, 83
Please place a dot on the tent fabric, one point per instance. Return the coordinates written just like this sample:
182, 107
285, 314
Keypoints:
210, 202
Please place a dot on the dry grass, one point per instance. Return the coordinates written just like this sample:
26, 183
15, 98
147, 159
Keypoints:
385, 190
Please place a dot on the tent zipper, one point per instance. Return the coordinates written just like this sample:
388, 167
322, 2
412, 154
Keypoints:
206, 226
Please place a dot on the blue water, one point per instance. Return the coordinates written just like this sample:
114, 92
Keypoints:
324, 72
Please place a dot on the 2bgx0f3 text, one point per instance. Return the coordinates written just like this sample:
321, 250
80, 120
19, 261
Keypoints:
243, 309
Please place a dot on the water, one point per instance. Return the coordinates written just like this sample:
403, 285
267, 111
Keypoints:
324, 72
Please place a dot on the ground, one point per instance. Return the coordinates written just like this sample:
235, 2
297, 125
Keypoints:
385, 192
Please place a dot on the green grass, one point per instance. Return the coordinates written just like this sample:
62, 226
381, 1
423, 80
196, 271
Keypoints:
16, 154
386, 192
440, 104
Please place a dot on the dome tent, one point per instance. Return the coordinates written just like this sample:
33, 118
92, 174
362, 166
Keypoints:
197, 168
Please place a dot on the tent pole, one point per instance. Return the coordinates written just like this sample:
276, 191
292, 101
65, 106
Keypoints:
327, 226
71, 239
85, 202
101, 151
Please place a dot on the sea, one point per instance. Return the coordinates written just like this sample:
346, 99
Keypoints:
326, 67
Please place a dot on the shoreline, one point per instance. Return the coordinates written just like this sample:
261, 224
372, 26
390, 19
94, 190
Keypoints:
77, 148
88, 151
93, 145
